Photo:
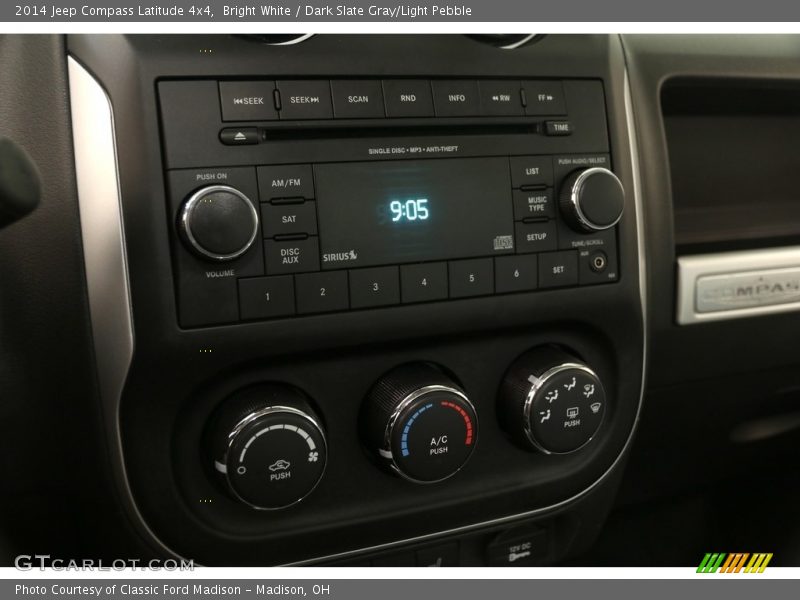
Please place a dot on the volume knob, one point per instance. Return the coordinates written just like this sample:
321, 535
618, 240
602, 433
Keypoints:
218, 222
592, 199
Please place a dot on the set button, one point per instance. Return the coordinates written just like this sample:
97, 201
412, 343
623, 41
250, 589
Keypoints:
558, 269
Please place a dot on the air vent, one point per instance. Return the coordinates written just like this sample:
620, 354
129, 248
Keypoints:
277, 39
506, 41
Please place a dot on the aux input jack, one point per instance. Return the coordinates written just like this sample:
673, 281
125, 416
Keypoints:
598, 261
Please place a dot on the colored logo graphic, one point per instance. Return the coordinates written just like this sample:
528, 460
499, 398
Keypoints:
734, 563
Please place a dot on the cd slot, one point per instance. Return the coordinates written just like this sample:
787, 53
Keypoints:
380, 127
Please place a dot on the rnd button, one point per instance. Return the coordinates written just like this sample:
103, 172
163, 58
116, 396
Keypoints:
291, 256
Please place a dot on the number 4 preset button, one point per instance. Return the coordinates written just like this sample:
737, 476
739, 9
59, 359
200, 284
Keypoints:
425, 282
322, 292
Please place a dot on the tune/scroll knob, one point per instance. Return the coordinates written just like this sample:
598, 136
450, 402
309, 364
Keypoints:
268, 446
218, 222
551, 401
592, 199
419, 423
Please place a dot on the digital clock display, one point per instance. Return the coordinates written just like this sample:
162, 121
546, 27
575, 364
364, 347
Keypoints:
385, 213
415, 209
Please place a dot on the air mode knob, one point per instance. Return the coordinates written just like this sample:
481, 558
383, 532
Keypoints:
419, 423
592, 199
269, 447
218, 223
551, 401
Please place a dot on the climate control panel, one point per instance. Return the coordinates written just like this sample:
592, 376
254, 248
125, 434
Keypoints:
269, 447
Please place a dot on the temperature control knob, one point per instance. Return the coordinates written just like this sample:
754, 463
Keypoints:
218, 223
269, 446
419, 423
551, 401
592, 199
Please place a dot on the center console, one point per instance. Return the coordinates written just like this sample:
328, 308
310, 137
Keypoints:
385, 294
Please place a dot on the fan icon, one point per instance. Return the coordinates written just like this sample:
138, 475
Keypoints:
313, 456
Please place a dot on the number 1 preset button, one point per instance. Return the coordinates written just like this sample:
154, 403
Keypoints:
322, 292
423, 282
266, 297
516, 273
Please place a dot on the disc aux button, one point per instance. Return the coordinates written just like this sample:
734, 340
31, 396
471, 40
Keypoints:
291, 256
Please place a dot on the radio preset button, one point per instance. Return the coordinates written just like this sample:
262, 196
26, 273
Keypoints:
534, 204
516, 273
247, 100
500, 98
374, 287
536, 237
531, 171
544, 98
285, 181
408, 98
266, 297
424, 282
291, 256
282, 219
558, 269
322, 292
473, 277
357, 99
456, 98
305, 99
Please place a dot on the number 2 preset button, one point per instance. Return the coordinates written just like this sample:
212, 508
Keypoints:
374, 287
424, 282
322, 292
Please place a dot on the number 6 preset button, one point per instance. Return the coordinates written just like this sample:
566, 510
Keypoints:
321, 292
516, 273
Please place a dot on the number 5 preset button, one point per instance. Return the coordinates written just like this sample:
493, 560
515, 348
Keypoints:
322, 292
291, 256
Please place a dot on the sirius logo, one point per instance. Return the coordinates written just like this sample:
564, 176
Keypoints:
340, 256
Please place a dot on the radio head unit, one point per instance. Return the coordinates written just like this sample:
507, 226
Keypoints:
306, 209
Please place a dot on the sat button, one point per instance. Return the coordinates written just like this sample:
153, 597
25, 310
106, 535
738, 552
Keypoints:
283, 219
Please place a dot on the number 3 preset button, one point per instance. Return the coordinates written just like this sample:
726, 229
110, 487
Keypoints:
322, 292
374, 287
